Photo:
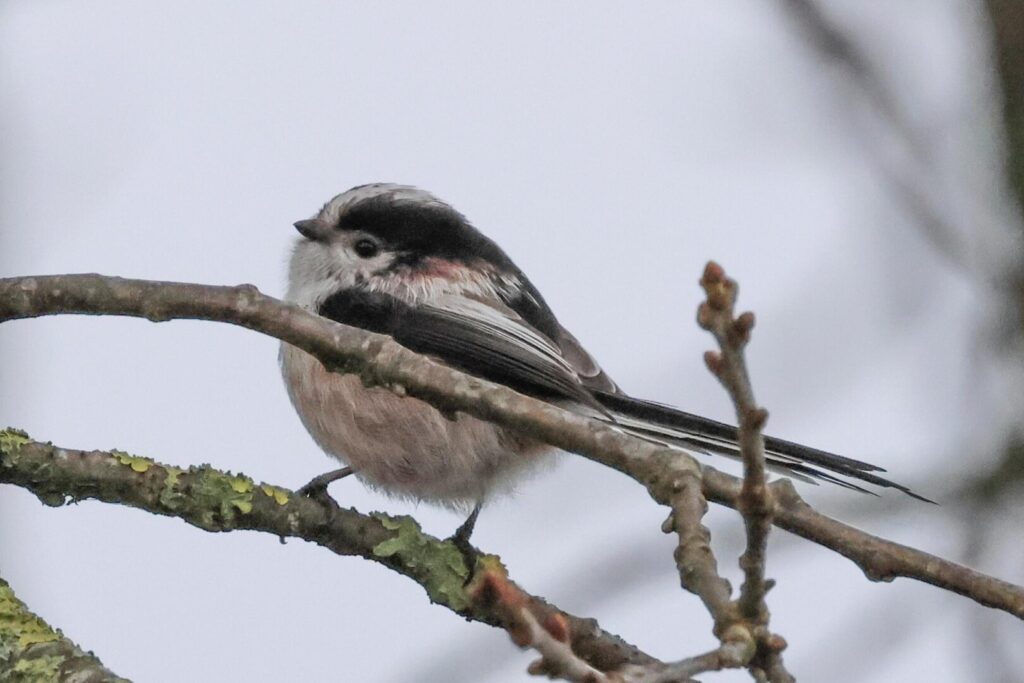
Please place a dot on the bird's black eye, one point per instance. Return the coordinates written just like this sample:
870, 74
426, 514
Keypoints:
366, 248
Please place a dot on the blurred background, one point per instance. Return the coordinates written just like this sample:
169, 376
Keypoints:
844, 160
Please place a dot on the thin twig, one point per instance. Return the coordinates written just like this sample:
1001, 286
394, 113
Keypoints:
380, 360
698, 573
730, 655
530, 626
698, 569
544, 631
755, 501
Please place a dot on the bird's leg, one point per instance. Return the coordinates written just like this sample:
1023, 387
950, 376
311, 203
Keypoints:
317, 486
461, 537
465, 529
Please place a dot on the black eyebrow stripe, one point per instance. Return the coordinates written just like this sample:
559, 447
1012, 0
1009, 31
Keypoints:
426, 229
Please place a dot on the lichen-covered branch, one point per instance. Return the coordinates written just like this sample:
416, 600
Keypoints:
31, 650
219, 501
381, 361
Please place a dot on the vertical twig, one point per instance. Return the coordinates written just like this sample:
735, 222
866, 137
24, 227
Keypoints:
755, 501
698, 569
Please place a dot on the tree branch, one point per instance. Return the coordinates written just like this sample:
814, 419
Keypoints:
380, 361
698, 569
730, 655
531, 627
32, 650
218, 501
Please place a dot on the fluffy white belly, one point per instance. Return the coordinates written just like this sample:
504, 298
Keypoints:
402, 445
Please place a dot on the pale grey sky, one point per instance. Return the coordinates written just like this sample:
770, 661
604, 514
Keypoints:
611, 149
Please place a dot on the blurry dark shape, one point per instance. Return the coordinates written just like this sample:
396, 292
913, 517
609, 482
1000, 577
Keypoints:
1008, 37
988, 492
1007, 27
910, 185
832, 42
1005, 478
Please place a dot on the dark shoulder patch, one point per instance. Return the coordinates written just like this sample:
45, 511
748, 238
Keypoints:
367, 310
457, 340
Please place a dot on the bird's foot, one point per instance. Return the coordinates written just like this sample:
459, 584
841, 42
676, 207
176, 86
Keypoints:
316, 489
460, 539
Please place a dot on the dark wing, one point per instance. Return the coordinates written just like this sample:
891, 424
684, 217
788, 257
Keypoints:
495, 342
485, 340
527, 303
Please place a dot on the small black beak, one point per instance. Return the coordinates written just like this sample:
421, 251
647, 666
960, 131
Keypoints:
311, 228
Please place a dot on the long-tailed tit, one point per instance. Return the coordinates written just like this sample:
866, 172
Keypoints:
396, 260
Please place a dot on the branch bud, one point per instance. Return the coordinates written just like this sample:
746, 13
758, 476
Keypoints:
556, 624
713, 359
743, 325
755, 418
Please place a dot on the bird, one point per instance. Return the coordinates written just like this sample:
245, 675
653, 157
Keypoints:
396, 260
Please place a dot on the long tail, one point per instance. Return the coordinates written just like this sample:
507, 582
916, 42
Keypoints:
670, 426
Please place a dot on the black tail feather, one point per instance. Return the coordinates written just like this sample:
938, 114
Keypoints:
657, 421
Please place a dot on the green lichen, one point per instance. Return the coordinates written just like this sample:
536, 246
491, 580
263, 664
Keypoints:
136, 462
17, 622
37, 669
243, 487
279, 495
489, 564
19, 631
220, 497
437, 565
12, 439
33, 652
171, 496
